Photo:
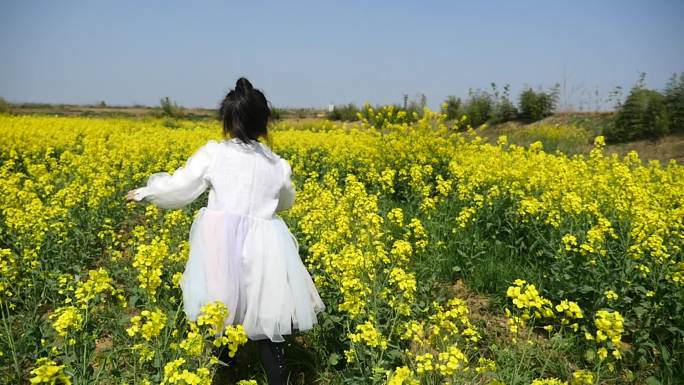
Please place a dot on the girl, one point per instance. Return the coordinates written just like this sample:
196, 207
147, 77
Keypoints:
241, 251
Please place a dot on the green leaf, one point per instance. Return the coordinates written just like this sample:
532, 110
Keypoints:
639, 311
586, 289
652, 381
665, 353
590, 355
333, 359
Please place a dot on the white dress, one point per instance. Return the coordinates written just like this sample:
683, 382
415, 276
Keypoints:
241, 251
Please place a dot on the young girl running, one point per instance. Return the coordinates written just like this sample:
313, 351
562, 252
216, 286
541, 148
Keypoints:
241, 251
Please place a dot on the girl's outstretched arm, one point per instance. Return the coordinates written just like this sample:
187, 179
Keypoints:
184, 186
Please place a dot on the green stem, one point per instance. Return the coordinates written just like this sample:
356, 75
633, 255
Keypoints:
356, 353
84, 363
598, 373
10, 341
522, 358
102, 367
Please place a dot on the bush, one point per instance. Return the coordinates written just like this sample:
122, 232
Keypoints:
478, 108
276, 113
674, 99
417, 104
347, 113
170, 109
482, 107
643, 115
4, 106
452, 108
504, 110
536, 105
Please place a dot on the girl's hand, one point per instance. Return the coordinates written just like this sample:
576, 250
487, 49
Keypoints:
130, 196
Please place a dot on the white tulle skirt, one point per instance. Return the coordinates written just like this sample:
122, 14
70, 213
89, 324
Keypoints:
253, 266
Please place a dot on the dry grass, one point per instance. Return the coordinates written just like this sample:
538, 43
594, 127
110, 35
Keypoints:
663, 149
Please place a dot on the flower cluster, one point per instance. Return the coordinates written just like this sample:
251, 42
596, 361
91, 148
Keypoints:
148, 324
609, 329
66, 319
8, 274
173, 374
47, 371
367, 334
149, 261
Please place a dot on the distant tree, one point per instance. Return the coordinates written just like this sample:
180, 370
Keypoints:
276, 113
674, 98
482, 107
644, 114
452, 108
478, 107
615, 97
503, 110
4, 106
536, 105
170, 108
347, 112
417, 104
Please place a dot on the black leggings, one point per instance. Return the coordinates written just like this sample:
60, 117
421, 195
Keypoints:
273, 359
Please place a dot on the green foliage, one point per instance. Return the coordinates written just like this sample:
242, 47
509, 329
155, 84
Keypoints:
347, 113
417, 104
643, 115
276, 113
4, 106
674, 98
478, 108
452, 108
482, 107
504, 110
535, 357
536, 105
170, 108
568, 139
170, 122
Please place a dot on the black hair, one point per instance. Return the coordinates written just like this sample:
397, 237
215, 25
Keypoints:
245, 112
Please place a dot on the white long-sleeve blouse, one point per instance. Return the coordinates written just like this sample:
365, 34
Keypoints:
246, 179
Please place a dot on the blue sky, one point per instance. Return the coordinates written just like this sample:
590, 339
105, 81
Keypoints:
311, 53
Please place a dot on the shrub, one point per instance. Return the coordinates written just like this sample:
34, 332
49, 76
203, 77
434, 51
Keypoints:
276, 113
478, 108
170, 108
536, 105
4, 106
452, 108
347, 113
482, 107
674, 99
417, 104
643, 115
504, 110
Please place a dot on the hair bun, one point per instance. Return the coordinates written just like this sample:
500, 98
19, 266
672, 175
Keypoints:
243, 86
